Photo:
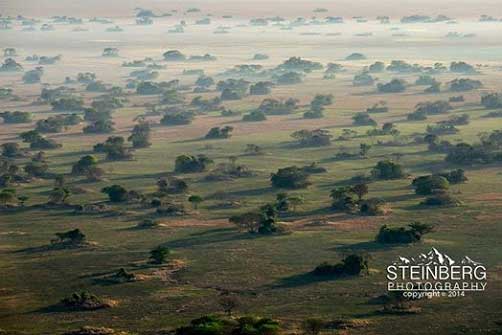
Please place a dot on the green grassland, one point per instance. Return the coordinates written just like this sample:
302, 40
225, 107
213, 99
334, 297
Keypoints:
268, 273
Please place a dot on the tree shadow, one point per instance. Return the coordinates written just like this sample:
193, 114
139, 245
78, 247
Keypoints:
243, 193
213, 236
302, 279
365, 246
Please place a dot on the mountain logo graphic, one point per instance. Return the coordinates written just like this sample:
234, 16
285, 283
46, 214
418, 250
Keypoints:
434, 257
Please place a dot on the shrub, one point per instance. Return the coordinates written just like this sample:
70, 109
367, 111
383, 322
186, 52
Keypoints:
84, 301
355, 56
71, 237
372, 207
174, 55
159, 255
116, 193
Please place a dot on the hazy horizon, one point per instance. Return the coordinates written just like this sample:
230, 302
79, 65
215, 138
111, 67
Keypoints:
115, 8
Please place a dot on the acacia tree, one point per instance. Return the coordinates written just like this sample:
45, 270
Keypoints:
360, 190
195, 200
59, 196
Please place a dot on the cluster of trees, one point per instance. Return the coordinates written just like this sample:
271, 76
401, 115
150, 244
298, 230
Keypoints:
423, 109
388, 128
68, 104
289, 78
85, 301
171, 185
387, 169
410, 234
58, 123
219, 133
312, 138
363, 119
351, 199
401, 66
100, 126
33, 76
379, 107
238, 326
393, 86
492, 100
178, 118
206, 105
232, 89
299, 64
140, 135
16, 117
71, 237
254, 116
87, 166
114, 148
363, 79
489, 150
262, 221
277, 107
317, 106
291, 177
37, 141
261, 88
464, 84
10, 65
191, 164
462, 67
